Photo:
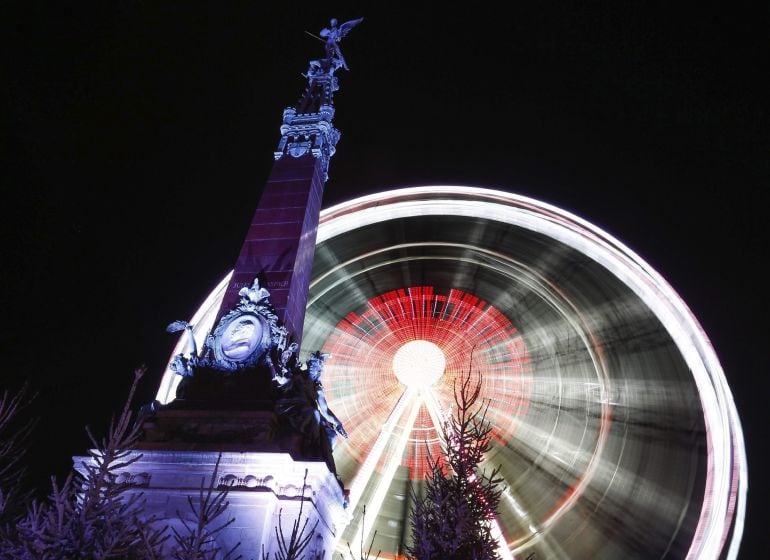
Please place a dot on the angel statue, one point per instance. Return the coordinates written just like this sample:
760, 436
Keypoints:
333, 35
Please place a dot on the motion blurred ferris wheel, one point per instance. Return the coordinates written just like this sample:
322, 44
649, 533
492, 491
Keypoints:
613, 425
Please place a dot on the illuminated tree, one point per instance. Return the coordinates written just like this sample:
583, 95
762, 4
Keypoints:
452, 519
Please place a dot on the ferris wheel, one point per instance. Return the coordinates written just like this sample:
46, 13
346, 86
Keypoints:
613, 426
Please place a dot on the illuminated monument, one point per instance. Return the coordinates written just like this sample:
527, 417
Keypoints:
613, 422
242, 392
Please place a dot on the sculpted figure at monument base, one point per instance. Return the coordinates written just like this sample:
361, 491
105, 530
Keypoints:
248, 367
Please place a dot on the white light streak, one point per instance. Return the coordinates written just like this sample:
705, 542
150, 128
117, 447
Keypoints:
364, 474
390, 470
202, 322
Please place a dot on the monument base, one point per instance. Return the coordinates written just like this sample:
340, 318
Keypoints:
266, 489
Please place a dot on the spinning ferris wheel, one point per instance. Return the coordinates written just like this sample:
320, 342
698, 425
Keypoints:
613, 425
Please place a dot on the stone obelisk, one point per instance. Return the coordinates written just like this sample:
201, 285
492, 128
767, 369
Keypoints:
280, 242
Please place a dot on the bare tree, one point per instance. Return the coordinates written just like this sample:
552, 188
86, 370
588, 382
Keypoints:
451, 521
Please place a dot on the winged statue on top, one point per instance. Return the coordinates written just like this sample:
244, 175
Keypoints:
333, 35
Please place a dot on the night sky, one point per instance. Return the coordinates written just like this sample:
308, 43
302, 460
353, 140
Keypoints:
136, 137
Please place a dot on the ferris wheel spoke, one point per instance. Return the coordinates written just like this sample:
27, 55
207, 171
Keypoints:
378, 496
365, 472
437, 414
502, 544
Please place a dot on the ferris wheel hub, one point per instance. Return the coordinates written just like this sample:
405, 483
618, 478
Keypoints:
419, 364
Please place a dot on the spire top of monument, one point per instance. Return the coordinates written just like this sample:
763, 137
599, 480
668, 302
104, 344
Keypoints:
307, 127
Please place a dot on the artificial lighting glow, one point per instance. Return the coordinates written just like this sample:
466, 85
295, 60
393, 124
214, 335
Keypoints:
468, 333
419, 363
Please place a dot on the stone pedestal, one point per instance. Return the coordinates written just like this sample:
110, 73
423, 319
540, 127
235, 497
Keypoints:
217, 429
265, 489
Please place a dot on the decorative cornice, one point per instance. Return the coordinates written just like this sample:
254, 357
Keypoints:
313, 133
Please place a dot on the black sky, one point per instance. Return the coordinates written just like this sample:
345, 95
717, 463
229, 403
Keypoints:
137, 135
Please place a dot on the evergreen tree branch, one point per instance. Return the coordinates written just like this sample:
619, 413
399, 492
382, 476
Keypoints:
450, 521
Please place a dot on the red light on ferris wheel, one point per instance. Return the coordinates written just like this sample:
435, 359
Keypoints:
419, 339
